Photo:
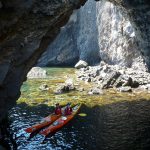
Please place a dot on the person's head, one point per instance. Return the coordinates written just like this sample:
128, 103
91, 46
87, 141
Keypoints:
57, 104
68, 104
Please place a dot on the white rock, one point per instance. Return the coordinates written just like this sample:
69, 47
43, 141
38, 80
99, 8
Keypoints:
37, 72
81, 64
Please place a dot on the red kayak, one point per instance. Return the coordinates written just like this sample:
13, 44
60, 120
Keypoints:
45, 122
60, 122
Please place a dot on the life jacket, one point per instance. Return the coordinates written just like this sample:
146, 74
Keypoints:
68, 111
58, 110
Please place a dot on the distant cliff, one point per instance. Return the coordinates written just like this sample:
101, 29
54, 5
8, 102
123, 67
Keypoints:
98, 31
77, 40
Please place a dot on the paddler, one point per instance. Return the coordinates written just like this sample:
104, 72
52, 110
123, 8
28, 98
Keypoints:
58, 109
68, 109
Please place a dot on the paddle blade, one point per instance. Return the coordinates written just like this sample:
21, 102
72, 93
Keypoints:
82, 114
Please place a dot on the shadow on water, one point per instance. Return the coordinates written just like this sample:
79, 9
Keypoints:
118, 126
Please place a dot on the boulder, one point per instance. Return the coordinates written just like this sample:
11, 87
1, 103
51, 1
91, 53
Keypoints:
44, 87
81, 64
37, 72
125, 89
110, 79
66, 87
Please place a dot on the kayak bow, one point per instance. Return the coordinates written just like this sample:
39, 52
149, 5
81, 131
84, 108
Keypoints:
60, 122
45, 122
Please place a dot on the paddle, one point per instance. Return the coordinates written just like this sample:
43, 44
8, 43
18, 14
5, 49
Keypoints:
82, 114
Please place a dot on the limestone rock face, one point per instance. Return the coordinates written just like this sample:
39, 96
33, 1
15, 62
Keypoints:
117, 39
98, 31
77, 40
138, 14
63, 50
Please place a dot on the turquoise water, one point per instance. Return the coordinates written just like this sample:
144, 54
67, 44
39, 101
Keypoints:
113, 120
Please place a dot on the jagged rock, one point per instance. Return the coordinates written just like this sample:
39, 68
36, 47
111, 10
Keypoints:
88, 79
37, 72
44, 87
109, 76
110, 80
125, 89
81, 64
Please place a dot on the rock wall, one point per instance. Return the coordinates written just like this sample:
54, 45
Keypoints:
77, 40
26, 29
117, 40
139, 14
63, 50
98, 30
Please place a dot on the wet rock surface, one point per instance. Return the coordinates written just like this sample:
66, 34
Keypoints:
113, 76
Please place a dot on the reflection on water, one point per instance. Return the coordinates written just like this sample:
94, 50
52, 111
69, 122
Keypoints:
114, 121
124, 125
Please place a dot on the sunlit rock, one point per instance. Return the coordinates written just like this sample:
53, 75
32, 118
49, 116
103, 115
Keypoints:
36, 72
81, 64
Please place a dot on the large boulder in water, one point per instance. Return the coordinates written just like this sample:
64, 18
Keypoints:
37, 72
66, 87
81, 64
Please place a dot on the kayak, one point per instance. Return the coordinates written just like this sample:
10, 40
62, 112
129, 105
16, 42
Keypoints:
60, 122
45, 122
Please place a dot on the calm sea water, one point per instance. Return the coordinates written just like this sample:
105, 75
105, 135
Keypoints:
113, 121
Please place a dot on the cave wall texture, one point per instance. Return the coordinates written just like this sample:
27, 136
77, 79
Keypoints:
78, 39
27, 27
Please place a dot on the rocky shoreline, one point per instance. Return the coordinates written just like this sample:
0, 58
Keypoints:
122, 79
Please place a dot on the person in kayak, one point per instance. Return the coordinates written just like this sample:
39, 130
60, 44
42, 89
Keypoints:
58, 109
68, 109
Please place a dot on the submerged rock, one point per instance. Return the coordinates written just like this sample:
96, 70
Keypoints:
95, 91
66, 87
44, 87
81, 64
37, 72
